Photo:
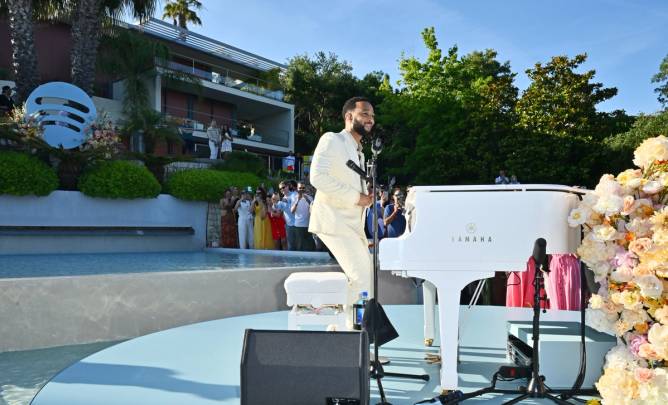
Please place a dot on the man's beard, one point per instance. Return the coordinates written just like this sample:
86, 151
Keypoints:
359, 128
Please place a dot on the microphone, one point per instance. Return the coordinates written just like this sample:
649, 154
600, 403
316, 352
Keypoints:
353, 166
377, 145
539, 253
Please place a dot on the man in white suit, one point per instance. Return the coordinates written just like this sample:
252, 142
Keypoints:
337, 214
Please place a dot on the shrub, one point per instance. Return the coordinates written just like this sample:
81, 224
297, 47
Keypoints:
237, 161
119, 179
22, 174
206, 184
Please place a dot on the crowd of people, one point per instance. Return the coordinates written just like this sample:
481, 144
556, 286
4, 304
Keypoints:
279, 220
268, 220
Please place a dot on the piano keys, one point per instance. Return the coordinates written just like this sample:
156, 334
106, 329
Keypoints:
459, 234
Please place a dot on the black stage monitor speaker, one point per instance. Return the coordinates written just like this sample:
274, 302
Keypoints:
283, 367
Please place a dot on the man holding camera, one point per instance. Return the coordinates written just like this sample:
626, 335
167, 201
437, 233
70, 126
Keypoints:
301, 209
394, 219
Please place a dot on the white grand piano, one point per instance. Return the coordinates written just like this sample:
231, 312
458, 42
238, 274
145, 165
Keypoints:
459, 234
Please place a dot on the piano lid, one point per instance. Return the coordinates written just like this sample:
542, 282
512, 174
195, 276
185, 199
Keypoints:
481, 227
500, 187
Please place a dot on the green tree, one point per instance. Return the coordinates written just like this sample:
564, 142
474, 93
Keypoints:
449, 117
180, 11
560, 134
317, 87
645, 126
662, 79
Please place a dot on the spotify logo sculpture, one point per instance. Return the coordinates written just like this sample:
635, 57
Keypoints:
64, 111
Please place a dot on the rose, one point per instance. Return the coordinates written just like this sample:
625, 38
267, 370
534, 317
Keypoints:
643, 375
601, 321
640, 246
635, 343
647, 351
607, 186
609, 205
604, 233
658, 337
650, 286
661, 314
651, 150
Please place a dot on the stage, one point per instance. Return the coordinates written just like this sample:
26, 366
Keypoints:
199, 363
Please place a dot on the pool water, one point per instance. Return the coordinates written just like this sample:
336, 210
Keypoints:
22, 374
19, 266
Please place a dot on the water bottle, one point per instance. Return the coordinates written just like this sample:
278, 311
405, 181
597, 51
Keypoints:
358, 310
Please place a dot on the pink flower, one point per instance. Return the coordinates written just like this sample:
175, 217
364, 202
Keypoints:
643, 375
636, 342
624, 258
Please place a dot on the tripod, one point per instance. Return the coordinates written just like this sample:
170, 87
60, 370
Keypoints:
536, 387
377, 371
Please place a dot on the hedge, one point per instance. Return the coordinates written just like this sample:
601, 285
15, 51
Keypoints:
22, 174
207, 184
238, 161
119, 179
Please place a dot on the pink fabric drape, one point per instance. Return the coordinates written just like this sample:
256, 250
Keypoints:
563, 284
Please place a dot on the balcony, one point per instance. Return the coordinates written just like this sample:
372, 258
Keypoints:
226, 77
193, 124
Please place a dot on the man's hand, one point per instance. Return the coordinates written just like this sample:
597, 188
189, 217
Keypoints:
365, 200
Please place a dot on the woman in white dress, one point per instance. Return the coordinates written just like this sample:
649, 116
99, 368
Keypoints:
226, 147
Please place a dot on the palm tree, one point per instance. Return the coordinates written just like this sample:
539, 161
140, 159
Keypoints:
180, 11
24, 59
88, 19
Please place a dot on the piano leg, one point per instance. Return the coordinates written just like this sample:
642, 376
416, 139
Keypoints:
429, 303
448, 317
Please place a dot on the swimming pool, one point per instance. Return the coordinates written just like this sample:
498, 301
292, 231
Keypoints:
50, 265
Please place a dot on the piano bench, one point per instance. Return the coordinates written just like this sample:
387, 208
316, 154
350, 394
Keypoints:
316, 299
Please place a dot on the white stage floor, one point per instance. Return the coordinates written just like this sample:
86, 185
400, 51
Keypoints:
199, 364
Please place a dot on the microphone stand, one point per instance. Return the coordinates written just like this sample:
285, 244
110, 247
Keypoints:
536, 387
377, 371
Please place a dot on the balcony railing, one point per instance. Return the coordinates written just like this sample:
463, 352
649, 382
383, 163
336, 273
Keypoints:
209, 45
240, 130
226, 77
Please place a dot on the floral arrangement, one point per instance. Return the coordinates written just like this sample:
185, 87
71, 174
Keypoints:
625, 222
26, 127
103, 137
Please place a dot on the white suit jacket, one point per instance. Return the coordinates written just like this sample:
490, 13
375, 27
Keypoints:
335, 210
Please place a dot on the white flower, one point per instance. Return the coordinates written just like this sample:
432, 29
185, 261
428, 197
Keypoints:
652, 187
658, 337
650, 286
601, 321
596, 301
578, 216
604, 233
661, 315
608, 186
609, 205
651, 150
620, 357
639, 226
622, 274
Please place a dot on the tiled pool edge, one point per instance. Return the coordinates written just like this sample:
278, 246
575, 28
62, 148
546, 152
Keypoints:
55, 311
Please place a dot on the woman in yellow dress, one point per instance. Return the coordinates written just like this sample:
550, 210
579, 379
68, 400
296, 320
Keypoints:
260, 213
268, 236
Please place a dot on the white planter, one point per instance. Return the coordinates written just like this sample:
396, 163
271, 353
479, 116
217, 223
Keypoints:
72, 208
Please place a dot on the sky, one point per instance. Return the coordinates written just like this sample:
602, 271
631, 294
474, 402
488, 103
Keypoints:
624, 39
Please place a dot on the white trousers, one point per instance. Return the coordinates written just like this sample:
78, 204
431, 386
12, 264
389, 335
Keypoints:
214, 150
352, 253
429, 304
246, 239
